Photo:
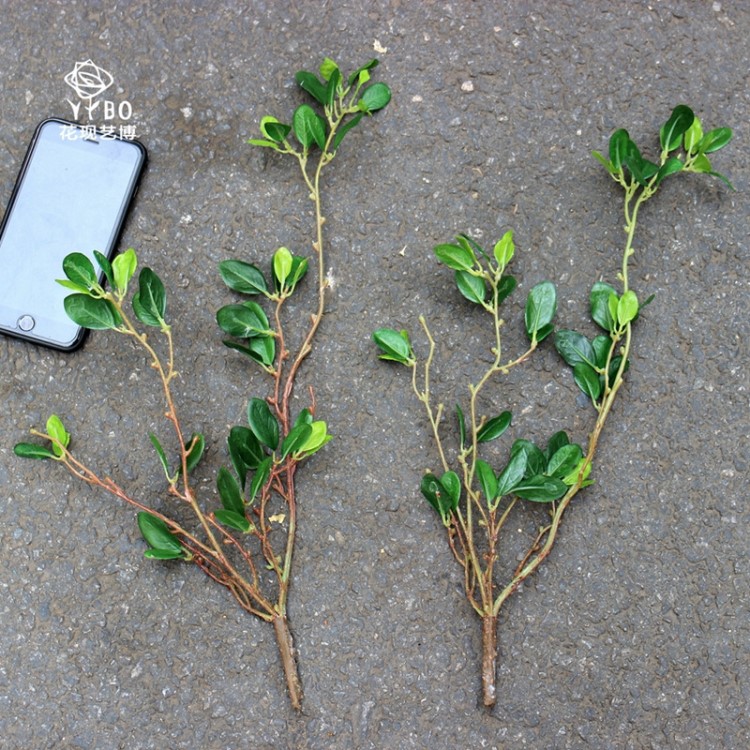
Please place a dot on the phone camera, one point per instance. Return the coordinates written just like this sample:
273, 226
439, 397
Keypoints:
26, 322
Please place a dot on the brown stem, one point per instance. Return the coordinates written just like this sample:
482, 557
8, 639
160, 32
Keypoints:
289, 660
489, 658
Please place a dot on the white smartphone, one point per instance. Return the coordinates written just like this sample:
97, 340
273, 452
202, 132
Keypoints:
72, 194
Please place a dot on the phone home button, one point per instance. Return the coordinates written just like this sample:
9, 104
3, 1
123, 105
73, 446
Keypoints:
26, 322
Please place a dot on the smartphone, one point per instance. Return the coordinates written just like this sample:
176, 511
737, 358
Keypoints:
72, 194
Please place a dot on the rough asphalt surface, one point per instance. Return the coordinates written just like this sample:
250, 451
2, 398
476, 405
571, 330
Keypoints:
635, 632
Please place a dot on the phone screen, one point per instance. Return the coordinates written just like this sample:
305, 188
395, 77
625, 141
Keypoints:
72, 195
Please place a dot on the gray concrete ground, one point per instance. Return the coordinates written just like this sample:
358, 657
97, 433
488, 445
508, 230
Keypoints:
635, 633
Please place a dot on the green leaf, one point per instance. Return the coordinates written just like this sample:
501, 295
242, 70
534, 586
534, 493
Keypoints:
612, 302
599, 305
512, 474
161, 454
433, 491
671, 133
274, 130
163, 554
243, 321
366, 67
263, 143
456, 257
627, 308
588, 380
123, 269
106, 266
541, 306
311, 83
299, 269
197, 445
260, 478
471, 245
618, 147
345, 128
541, 489
461, 427
73, 286
261, 349
95, 314
308, 126
150, 301
606, 163
572, 478
57, 431
601, 346
304, 417
332, 88
395, 345
245, 451
574, 348
282, 266
296, 438
472, 287
504, 250
31, 450
714, 140
327, 68
229, 491
493, 428
263, 423
374, 97
234, 520
452, 486
536, 461
487, 480
564, 460
505, 287
243, 277
80, 270
317, 438
693, 136
671, 166
557, 441
157, 534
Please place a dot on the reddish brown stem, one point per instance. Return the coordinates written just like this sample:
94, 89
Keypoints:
289, 660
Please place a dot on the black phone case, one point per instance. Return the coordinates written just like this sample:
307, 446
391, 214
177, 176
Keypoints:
83, 332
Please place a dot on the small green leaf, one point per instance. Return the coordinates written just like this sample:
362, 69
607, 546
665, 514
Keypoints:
714, 140
574, 348
304, 417
88, 312
493, 428
161, 454
150, 301
504, 250
536, 461
157, 534
245, 451
123, 269
557, 441
374, 97
31, 450
332, 88
327, 68
317, 438
261, 349
296, 438
433, 491
106, 266
452, 486
612, 303
395, 345
601, 346
572, 478
512, 474
263, 423
671, 133
604, 162
164, 554
274, 130
282, 266
299, 269
472, 287
541, 489
345, 128
504, 288
461, 427
618, 147
308, 126
229, 491
366, 67
263, 143
588, 380
57, 431
487, 480
311, 83
243, 277
456, 257
693, 137
627, 308
599, 305
564, 460
260, 478
671, 166
243, 321
197, 445
234, 520
541, 306
80, 270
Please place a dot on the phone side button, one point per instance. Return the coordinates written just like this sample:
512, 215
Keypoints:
26, 322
